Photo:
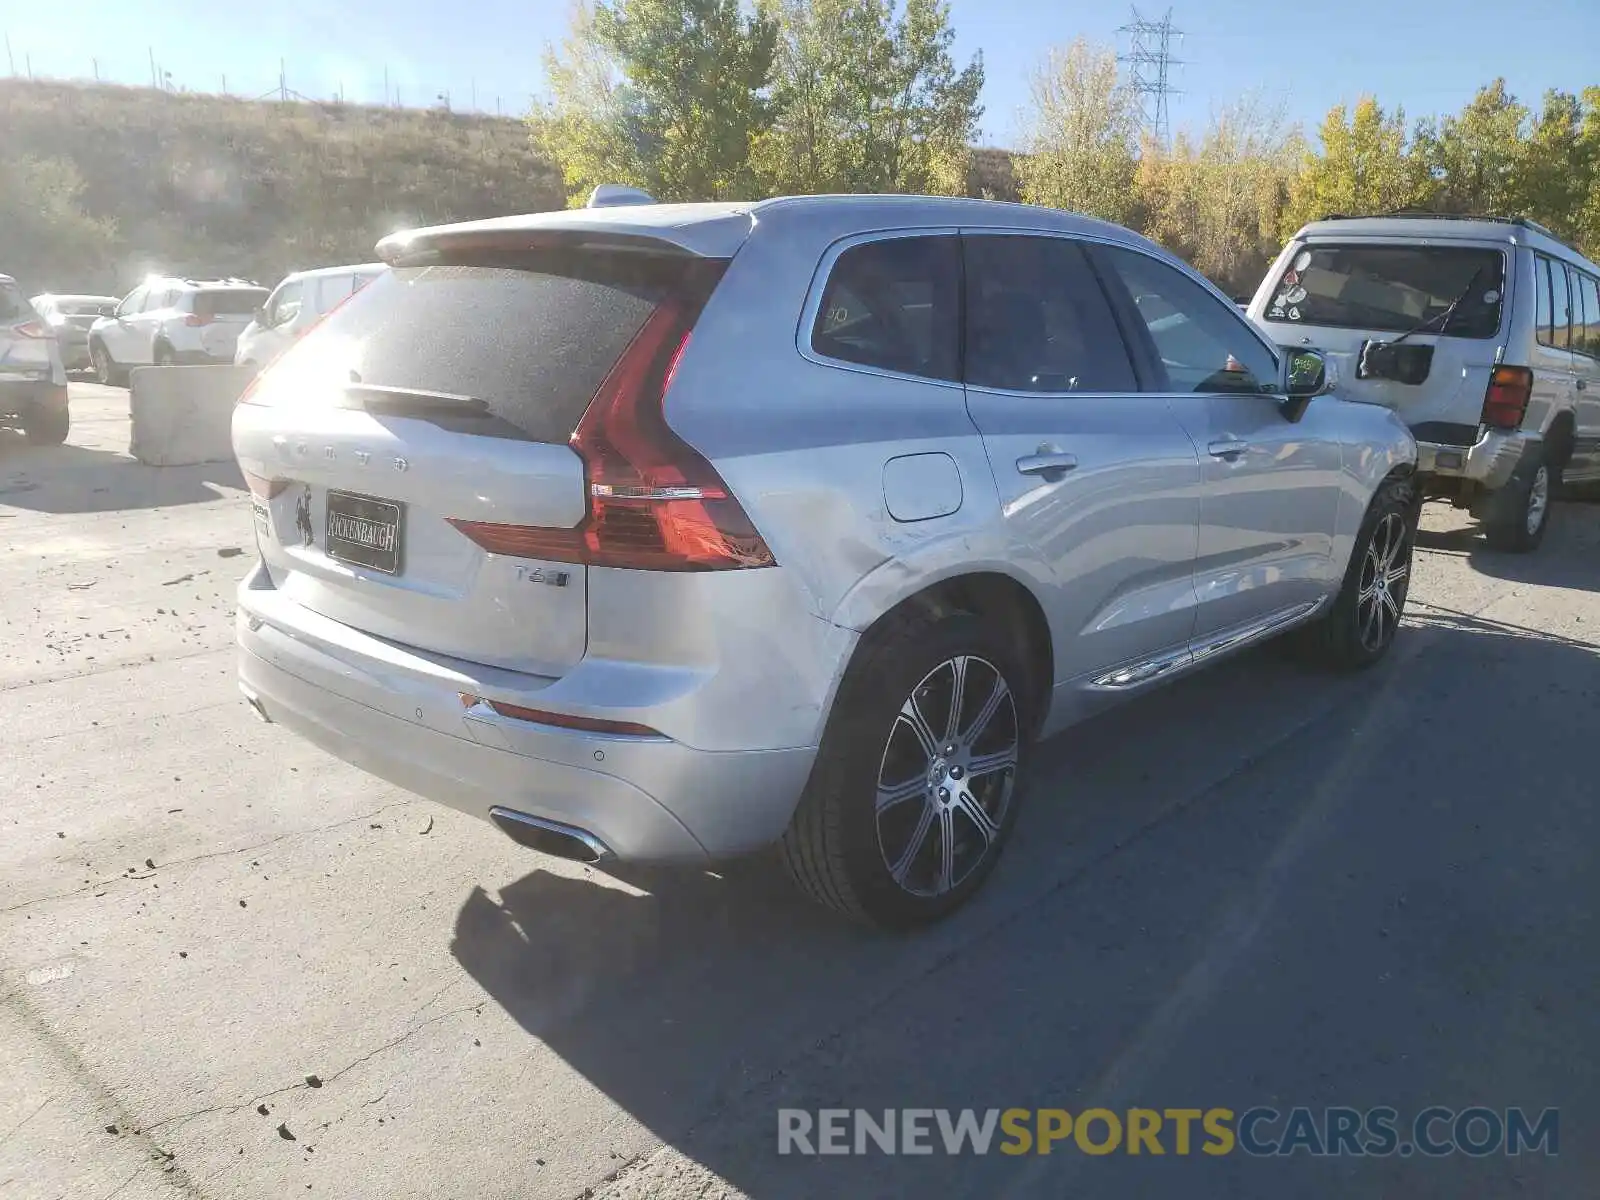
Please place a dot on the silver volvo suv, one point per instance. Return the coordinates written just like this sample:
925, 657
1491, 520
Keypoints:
668, 532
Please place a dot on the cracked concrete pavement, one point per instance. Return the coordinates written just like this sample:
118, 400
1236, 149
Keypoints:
231, 966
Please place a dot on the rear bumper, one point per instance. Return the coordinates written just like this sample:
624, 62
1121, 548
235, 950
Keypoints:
1489, 462
399, 715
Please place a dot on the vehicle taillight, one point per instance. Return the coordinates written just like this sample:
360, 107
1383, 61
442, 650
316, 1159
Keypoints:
264, 489
195, 320
1506, 401
32, 329
654, 503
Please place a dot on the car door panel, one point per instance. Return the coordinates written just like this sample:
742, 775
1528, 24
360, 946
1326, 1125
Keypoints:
118, 334
1271, 486
1585, 463
1097, 480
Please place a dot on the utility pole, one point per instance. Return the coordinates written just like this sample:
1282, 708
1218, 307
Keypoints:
11, 60
386, 85
155, 80
94, 65
1150, 56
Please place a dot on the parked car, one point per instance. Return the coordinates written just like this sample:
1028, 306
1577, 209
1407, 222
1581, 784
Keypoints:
170, 322
296, 304
69, 319
33, 381
1483, 334
666, 532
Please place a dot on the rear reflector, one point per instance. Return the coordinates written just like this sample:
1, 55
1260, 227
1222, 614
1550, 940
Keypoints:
195, 320
540, 716
1506, 401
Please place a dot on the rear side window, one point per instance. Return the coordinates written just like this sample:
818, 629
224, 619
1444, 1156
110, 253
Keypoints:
893, 304
1543, 311
14, 305
1561, 307
1586, 329
1038, 320
228, 302
533, 338
1393, 288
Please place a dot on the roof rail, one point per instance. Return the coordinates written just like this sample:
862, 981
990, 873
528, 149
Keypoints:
1424, 215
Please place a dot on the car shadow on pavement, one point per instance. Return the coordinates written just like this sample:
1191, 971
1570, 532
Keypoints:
698, 1001
76, 479
1569, 557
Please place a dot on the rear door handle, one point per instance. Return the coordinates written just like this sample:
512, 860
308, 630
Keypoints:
1229, 448
1047, 463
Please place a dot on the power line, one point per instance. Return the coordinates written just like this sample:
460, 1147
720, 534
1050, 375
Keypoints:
1150, 58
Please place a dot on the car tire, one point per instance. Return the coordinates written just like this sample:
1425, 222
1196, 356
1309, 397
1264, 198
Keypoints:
48, 423
105, 367
1518, 515
910, 852
1360, 626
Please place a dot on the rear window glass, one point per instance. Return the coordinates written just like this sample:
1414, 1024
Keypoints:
1392, 288
86, 308
894, 304
533, 341
240, 302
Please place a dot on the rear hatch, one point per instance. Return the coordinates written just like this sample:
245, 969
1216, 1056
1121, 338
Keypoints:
1440, 304
222, 314
410, 456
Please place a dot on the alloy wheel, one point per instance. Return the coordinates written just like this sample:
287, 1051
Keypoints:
1538, 499
947, 775
1384, 570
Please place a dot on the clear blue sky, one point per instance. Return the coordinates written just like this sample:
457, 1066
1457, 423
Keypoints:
1429, 55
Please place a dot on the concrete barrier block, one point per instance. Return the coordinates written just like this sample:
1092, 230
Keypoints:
184, 415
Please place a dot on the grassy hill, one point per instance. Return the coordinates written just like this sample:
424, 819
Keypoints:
99, 185
215, 185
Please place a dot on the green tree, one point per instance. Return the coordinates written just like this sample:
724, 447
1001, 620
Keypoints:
45, 236
1556, 166
1366, 165
1586, 224
1082, 134
868, 99
667, 95
1476, 156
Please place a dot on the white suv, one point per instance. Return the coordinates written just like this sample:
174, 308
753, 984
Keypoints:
295, 305
168, 322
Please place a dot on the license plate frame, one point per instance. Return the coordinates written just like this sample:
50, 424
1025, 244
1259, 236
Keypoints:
343, 510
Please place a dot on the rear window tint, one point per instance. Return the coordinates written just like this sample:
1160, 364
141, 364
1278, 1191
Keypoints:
232, 303
534, 341
14, 305
1392, 288
894, 304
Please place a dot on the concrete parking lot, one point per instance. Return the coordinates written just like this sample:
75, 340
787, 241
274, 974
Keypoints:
231, 966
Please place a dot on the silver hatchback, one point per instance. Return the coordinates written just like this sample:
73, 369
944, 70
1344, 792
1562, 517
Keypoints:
794, 522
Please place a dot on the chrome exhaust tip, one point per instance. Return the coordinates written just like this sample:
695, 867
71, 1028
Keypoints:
549, 837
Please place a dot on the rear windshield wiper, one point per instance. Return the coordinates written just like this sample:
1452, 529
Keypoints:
413, 402
1444, 317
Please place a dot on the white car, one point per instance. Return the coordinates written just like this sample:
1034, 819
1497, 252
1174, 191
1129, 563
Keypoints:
296, 304
169, 322
69, 319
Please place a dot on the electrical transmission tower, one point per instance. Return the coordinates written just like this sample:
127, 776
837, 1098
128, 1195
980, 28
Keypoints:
1150, 45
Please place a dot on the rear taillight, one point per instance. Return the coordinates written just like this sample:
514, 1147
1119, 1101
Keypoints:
195, 320
654, 503
264, 489
1506, 401
32, 329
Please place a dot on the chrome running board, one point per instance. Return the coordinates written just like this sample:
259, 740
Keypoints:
1215, 645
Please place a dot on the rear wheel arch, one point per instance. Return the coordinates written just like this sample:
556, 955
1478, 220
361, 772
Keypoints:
1559, 439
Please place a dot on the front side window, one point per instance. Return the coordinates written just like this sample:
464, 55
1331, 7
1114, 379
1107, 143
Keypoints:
1450, 290
132, 303
284, 305
1204, 344
1038, 319
894, 304
1586, 336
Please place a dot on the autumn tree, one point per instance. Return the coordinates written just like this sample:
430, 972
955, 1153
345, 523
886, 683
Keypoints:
1475, 155
1367, 164
866, 97
1082, 134
667, 95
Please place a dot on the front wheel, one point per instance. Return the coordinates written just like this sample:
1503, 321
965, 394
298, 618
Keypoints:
105, 367
915, 789
1360, 626
50, 420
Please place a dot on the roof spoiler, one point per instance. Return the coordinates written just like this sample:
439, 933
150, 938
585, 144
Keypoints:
615, 195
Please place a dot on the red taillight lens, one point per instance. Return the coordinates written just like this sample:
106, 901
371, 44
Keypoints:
654, 503
32, 329
195, 320
1506, 401
264, 489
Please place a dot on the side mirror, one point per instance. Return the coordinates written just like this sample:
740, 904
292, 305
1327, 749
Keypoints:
1306, 375
260, 317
